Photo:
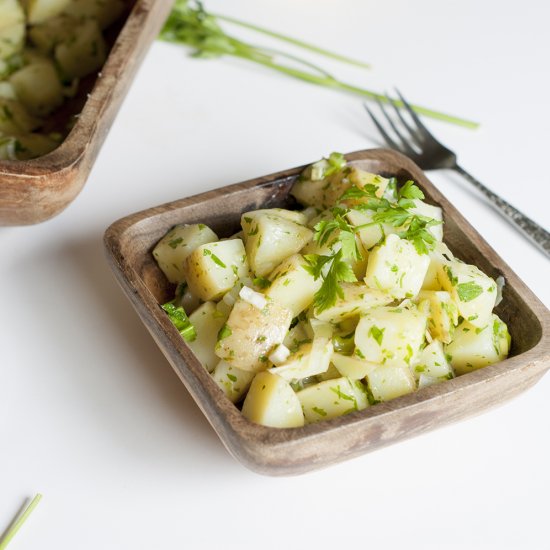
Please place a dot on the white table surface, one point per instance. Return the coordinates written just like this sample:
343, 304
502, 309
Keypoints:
92, 415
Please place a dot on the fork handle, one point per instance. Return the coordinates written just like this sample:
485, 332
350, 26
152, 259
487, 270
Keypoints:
530, 229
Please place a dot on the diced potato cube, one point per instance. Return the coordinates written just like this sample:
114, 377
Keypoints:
372, 235
269, 239
234, 382
390, 336
440, 256
12, 39
49, 34
172, 250
271, 401
208, 321
14, 118
11, 13
474, 292
388, 382
250, 334
307, 360
38, 87
357, 299
292, 286
476, 347
39, 11
397, 268
432, 362
442, 313
351, 366
213, 268
292, 215
34, 145
84, 53
332, 398
104, 11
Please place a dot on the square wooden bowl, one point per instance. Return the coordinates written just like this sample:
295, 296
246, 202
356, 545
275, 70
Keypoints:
35, 190
274, 451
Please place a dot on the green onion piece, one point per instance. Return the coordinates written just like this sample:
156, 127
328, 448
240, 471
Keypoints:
16, 525
180, 320
294, 41
190, 24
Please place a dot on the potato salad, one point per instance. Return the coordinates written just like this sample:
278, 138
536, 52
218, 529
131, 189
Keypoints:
306, 315
46, 47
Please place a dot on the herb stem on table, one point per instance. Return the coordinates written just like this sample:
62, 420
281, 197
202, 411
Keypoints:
190, 24
16, 525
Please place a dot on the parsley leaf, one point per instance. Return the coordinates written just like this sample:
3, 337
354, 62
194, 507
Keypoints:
468, 291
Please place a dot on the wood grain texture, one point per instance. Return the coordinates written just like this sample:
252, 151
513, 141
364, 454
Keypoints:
35, 190
273, 451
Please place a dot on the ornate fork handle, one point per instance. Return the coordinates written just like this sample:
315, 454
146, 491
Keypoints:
533, 231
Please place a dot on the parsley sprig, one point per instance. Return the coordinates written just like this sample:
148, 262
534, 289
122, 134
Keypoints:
335, 268
398, 213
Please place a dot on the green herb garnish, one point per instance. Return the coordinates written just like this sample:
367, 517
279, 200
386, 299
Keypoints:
468, 291
180, 320
190, 24
19, 521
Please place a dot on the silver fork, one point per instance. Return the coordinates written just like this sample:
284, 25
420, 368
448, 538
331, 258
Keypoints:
416, 142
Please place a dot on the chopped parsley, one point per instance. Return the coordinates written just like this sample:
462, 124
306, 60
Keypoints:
468, 291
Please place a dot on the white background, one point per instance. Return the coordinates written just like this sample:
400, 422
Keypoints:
91, 414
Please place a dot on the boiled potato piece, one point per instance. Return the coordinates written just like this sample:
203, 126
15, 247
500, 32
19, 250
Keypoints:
307, 360
474, 292
397, 268
14, 118
439, 257
208, 321
292, 286
292, 215
11, 40
442, 313
34, 145
269, 239
38, 87
250, 334
172, 250
214, 268
351, 366
271, 401
372, 235
83, 53
104, 11
476, 347
391, 336
332, 398
432, 362
39, 11
234, 382
11, 13
54, 31
357, 299
389, 381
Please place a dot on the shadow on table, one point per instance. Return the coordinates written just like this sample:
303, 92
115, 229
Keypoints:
119, 356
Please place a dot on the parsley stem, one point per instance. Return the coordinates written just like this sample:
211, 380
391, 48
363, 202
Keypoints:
20, 520
294, 41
